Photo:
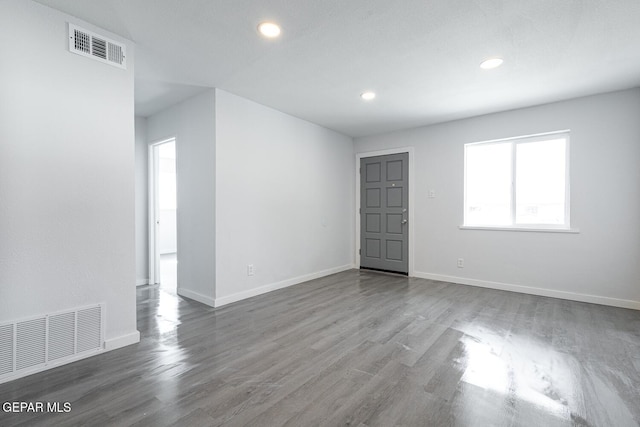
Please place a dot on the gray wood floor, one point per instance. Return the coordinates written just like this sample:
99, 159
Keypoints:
361, 349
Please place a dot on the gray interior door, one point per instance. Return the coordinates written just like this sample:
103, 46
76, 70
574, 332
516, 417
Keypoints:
384, 204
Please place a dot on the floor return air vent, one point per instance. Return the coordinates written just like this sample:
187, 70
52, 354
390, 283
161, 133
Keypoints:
87, 43
38, 343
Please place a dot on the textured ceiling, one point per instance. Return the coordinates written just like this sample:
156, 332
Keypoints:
421, 57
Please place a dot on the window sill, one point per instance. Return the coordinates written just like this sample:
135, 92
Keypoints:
535, 230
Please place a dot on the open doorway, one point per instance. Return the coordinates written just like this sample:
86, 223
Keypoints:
163, 240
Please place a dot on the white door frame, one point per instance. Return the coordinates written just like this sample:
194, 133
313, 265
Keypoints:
154, 209
364, 154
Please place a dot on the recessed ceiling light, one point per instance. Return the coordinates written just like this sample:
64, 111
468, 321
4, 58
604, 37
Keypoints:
368, 95
491, 63
269, 29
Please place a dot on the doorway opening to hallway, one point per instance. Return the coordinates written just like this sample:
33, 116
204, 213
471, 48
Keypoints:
163, 211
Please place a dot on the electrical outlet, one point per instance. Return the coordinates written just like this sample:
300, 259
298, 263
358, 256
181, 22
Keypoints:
250, 270
460, 263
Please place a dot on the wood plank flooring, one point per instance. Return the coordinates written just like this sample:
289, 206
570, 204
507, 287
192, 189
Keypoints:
358, 349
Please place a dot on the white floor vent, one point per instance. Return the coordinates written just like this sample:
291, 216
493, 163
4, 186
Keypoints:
87, 43
34, 344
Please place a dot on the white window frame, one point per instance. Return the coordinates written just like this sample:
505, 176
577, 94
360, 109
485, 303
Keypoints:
513, 141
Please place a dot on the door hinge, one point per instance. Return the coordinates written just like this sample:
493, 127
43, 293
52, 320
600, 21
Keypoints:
359, 210
359, 251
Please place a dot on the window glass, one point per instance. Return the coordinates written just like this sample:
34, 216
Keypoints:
488, 183
519, 182
540, 182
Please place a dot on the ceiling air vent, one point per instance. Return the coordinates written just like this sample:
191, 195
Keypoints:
87, 43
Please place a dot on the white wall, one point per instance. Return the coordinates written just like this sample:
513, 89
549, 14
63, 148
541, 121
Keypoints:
192, 123
142, 202
602, 260
285, 199
66, 174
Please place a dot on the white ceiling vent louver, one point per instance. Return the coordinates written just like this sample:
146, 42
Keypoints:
87, 43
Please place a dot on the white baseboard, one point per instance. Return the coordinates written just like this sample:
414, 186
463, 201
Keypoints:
122, 341
594, 299
196, 296
278, 285
142, 282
